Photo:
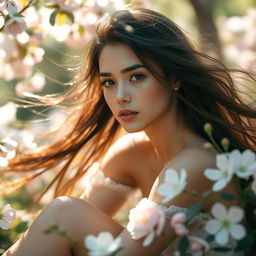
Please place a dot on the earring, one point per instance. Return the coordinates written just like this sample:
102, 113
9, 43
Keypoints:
176, 89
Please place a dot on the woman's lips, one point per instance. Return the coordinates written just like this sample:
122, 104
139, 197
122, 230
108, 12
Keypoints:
127, 115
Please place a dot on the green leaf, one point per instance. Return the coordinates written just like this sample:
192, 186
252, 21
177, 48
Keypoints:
53, 17
192, 211
117, 251
21, 227
53, 6
70, 17
183, 245
226, 196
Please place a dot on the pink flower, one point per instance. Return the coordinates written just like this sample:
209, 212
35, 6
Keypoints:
15, 25
69, 5
177, 222
8, 215
198, 245
146, 220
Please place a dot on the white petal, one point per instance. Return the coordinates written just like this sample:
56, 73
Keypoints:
222, 161
219, 185
212, 174
236, 156
222, 237
237, 231
149, 238
160, 225
171, 175
219, 211
248, 157
164, 189
183, 175
104, 238
235, 214
212, 226
4, 224
90, 242
115, 244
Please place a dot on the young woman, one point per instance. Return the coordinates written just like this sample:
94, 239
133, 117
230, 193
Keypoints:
143, 76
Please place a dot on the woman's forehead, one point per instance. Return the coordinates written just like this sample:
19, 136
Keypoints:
117, 55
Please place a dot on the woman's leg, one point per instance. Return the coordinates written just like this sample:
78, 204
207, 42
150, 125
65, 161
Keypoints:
78, 217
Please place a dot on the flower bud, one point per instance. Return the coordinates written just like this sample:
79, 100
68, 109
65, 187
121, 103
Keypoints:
208, 128
225, 143
208, 146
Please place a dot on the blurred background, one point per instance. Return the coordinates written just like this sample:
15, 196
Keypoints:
41, 52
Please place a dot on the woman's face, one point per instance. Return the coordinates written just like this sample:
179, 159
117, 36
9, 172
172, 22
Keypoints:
136, 98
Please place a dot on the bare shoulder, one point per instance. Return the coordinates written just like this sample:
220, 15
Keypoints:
193, 158
195, 161
124, 156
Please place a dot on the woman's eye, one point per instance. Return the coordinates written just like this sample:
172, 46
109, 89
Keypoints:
108, 83
137, 77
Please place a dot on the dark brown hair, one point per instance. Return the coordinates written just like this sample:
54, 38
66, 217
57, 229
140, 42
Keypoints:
207, 94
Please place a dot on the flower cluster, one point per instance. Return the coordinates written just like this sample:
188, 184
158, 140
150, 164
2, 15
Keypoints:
239, 37
8, 215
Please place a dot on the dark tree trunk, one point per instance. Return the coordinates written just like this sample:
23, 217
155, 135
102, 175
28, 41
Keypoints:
209, 38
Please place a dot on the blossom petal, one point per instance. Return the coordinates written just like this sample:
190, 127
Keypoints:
183, 175
235, 214
237, 231
212, 174
164, 189
219, 211
149, 238
219, 185
4, 225
115, 244
90, 242
222, 161
248, 157
212, 226
222, 237
170, 175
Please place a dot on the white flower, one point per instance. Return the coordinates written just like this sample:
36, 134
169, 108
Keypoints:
102, 245
173, 184
8, 215
244, 163
15, 25
146, 220
225, 223
223, 174
8, 113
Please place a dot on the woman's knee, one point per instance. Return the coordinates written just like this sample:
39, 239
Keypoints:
63, 211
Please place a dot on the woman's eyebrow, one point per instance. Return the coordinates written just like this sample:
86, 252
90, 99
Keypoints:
125, 70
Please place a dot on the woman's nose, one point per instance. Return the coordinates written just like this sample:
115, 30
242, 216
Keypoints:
122, 95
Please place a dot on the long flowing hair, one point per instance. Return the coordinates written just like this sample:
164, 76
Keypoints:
208, 93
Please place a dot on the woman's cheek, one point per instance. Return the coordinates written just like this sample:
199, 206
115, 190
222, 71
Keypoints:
153, 92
